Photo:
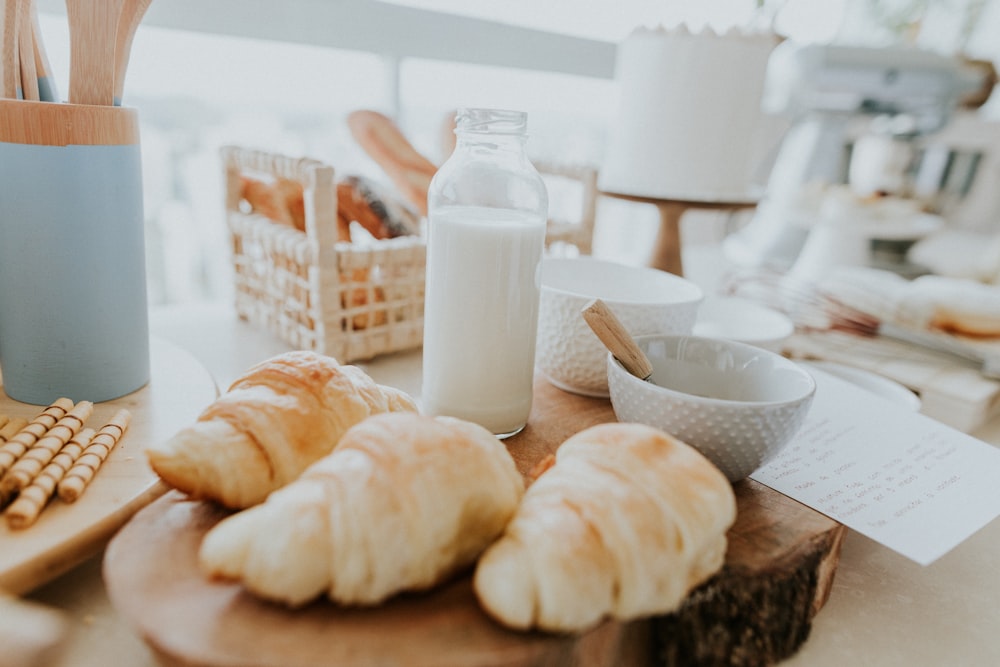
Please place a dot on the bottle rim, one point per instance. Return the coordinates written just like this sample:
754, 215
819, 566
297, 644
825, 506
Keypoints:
490, 121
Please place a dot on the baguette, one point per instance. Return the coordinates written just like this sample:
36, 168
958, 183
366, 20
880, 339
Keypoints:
408, 169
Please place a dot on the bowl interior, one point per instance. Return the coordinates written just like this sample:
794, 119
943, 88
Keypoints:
723, 370
613, 282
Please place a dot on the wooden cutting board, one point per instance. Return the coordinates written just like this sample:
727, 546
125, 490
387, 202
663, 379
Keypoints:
66, 534
779, 567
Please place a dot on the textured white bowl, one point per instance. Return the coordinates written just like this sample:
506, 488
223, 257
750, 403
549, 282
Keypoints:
646, 300
744, 321
737, 404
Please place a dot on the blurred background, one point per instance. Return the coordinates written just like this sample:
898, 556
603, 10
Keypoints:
283, 76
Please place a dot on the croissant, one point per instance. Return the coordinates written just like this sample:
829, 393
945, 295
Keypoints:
270, 425
403, 502
624, 524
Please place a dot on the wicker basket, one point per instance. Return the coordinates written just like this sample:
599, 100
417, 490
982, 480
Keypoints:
352, 302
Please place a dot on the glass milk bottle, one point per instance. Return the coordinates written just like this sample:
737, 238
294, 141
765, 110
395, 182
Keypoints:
487, 211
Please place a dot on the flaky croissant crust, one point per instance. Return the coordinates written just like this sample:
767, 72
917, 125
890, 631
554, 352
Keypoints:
624, 524
271, 424
403, 502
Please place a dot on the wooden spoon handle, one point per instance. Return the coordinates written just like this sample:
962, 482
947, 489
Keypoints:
617, 339
92, 28
47, 90
132, 13
26, 52
10, 72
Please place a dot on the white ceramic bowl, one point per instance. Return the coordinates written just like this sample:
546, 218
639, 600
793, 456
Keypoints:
737, 404
646, 300
744, 321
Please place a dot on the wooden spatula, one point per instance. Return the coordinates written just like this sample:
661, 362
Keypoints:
10, 72
93, 25
132, 13
26, 51
47, 89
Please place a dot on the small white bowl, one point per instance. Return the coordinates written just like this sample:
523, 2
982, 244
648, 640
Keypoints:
737, 404
646, 300
743, 320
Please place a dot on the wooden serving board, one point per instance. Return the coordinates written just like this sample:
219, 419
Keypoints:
757, 610
66, 534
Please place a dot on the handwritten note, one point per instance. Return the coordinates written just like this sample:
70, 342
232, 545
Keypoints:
901, 478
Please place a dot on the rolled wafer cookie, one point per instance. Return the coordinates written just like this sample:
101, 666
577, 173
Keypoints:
11, 427
86, 466
24, 511
19, 443
45, 448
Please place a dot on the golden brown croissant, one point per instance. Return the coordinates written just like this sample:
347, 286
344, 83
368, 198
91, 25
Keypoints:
273, 422
624, 524
403, 502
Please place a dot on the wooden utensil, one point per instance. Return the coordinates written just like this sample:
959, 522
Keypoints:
47, 90
93, 25
617, 339
26, 51
9, 71
131, 14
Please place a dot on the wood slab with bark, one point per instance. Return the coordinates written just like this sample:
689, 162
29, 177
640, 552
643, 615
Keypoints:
757, 610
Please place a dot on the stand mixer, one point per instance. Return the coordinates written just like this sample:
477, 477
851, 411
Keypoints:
887, 98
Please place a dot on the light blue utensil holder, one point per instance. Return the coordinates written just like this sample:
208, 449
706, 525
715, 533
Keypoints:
73, 307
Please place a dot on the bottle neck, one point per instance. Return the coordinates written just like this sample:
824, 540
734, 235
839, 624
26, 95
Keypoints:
493, 122
491, 129
490, 166
475, 141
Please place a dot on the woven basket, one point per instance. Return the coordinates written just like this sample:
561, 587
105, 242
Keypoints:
352, 302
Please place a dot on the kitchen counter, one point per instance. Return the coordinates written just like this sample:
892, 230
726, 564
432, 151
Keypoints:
884, 609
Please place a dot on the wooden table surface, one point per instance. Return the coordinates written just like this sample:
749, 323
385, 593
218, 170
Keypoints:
66, 534
883, 609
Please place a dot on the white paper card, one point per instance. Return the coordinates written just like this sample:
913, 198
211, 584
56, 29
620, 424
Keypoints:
901, 478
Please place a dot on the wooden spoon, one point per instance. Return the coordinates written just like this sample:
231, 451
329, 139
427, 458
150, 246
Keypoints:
26, 52
128, 22
10, 73
617, 339
47, 90
93, 25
